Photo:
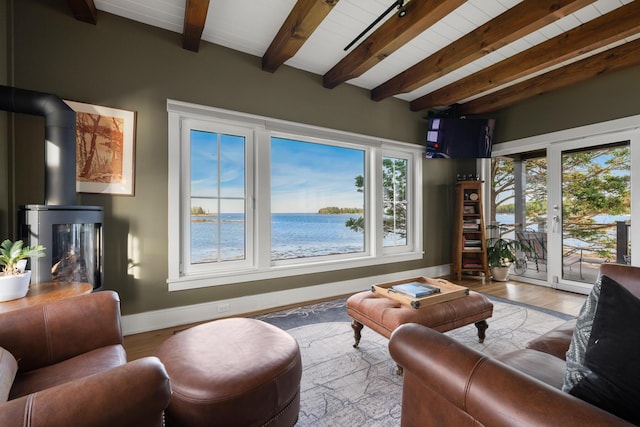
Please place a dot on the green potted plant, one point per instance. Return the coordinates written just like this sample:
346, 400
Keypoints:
14, 280
502, 253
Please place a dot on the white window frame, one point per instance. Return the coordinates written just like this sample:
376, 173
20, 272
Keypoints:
411, 213
220, 128
367, 244
259, 265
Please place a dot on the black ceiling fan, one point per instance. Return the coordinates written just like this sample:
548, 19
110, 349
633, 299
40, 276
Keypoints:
402, 11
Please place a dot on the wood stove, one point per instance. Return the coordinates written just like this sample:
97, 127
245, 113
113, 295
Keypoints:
72, 236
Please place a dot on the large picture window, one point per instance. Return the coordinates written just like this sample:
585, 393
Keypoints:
314, 196
252, 198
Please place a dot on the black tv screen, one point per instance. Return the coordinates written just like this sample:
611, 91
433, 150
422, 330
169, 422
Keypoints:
449, 138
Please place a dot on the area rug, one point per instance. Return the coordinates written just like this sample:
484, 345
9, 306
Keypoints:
343, 386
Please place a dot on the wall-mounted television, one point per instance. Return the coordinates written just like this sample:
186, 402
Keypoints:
451, 138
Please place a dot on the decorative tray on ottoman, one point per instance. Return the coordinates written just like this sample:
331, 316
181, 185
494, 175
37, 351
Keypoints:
420, 292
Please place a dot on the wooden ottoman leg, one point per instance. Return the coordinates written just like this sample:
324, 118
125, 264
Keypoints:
357, 327
482, 327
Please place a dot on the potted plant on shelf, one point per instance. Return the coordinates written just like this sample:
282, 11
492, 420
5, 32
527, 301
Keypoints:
501, 254
14, 280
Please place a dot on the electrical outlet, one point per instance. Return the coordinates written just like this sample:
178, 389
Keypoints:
224, 307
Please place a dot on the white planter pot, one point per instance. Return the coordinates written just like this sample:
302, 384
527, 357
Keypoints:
501, 274
14, 287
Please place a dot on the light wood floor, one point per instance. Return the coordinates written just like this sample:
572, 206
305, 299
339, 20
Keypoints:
537, 296
144, 344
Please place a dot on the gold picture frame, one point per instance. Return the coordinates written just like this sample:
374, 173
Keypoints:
105, 149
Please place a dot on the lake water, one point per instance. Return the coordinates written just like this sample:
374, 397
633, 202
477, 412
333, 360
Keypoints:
567, 241
599, 219
293, 235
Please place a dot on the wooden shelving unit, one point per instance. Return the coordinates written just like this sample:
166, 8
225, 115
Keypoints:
469, 248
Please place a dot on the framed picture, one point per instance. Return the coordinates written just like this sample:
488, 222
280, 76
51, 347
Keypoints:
469, 209
105, 147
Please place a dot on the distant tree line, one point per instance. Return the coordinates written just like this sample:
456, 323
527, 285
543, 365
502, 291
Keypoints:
198, 210
336, 210
505, 209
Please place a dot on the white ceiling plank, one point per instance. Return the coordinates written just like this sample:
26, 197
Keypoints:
250, 25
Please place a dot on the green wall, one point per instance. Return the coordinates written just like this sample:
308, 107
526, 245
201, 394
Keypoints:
123, 64
609, 97
4, 129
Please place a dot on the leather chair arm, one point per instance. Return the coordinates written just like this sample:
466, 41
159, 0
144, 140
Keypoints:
556, 342
48, 333
628, 276
473, 386
134, 394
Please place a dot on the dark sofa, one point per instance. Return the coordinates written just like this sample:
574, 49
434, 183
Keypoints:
449, 384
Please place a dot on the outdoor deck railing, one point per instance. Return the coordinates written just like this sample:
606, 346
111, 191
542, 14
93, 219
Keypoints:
623, 255
592, 254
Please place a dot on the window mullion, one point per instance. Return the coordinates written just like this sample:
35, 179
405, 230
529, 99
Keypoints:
219, 196
377, 203
262, 201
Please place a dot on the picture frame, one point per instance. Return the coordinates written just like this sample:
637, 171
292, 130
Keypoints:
469, 209
105, 149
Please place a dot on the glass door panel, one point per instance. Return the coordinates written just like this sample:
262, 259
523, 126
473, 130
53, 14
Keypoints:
596, 209
518, 207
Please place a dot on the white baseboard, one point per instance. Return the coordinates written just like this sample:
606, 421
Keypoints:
171, 317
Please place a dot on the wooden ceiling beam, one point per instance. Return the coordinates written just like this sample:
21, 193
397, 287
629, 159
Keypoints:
616, 59
195, 16
302, 21
84, 10
521, 20
603, 31
389, 37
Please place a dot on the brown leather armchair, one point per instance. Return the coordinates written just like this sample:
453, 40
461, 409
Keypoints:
448, 384
72, 367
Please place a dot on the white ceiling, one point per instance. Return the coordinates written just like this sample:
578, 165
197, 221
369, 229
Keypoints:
250, 25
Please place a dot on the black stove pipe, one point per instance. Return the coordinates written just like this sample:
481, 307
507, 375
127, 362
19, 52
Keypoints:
60, 139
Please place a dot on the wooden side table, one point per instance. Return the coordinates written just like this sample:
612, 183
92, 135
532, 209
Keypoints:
45, 292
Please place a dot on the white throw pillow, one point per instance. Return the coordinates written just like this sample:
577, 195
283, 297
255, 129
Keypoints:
576, 369
8, 369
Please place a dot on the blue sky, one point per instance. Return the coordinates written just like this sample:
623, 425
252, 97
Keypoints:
204, 169
304, 176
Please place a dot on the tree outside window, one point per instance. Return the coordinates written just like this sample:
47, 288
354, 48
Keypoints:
394, 178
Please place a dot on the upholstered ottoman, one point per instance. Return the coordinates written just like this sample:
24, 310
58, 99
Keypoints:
384, 315
233, 372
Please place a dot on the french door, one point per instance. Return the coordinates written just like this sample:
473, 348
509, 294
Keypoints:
589, 208
569, 196
518, 208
